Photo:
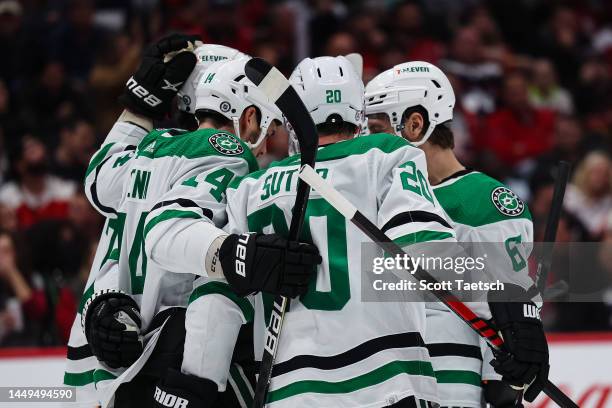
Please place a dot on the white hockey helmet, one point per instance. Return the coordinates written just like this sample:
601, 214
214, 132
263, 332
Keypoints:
224, 89
410, 84
206, 55
331, 89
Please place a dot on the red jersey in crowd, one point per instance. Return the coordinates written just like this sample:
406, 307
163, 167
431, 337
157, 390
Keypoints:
52, 203
513, 138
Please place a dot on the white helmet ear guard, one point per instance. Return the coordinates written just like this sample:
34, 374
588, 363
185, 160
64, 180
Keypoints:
206, 54
223, 88
409, 85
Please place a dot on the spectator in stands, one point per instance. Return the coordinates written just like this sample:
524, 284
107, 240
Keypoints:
77, 39
409, 33
589, 196
565, 43
478, 76
115, 62
17, 297
10, 26
82, 215
341, 43
568, 144
594, 85
545, 92
75, 149
518, 131
51, 100
10, 124
8, 219
36, 195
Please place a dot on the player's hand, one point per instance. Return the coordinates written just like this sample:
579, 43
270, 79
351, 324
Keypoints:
112, 327
525, 363
149, 92
268, 263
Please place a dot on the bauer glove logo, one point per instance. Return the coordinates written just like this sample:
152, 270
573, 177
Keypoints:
241, 250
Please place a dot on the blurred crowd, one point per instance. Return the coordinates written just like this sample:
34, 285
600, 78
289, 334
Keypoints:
533, 80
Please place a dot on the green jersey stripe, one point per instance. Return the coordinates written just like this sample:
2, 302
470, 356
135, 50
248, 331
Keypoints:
422, 236
98, 158
86, 295
79, 379
458, 377
87, 377
102, 375
374, 377
222, 288
169, 215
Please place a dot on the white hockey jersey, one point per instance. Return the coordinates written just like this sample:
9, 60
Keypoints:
481, 210
172, 175
83, 370
335, 349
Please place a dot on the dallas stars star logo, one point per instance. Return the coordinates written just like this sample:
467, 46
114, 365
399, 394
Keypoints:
226, 143
507, 202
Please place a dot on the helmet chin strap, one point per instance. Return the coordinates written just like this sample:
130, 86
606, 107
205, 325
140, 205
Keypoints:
430, 129
260, 139
425, 136
236, 122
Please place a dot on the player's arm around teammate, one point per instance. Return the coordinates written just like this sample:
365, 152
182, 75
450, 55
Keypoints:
182, 235
110, 318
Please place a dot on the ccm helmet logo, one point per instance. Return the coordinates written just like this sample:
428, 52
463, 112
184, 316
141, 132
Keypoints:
169, 400
142, 93
241, 250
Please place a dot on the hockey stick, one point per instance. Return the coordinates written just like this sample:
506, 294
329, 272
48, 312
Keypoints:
550, 235
277, 89
479, 325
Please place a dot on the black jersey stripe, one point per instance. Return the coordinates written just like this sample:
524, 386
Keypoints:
454, 349
458, 174
94, 191
413, 216
185, 203
79, 353
354, 355
94, 187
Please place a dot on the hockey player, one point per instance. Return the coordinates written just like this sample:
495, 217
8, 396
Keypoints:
335, 350
129, 184
82, 367
415, 100
216, 309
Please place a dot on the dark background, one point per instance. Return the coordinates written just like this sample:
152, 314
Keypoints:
533, 80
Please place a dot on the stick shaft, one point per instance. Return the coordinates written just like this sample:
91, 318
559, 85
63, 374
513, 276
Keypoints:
552, 223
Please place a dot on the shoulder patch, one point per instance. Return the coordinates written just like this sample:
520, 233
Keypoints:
226, 143
507, 202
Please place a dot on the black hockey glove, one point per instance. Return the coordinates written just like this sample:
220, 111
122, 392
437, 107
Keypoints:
176, 389
112, 327
518, 321
268, 263
149, 92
